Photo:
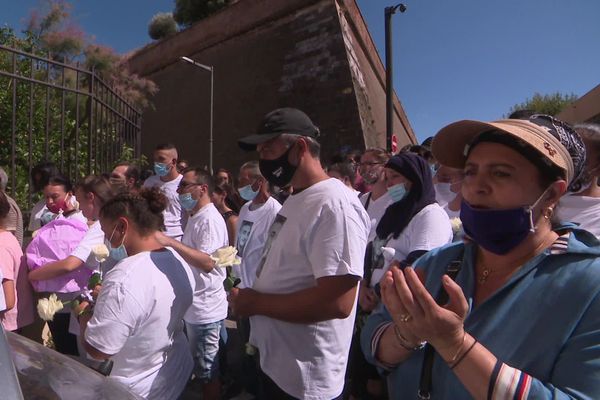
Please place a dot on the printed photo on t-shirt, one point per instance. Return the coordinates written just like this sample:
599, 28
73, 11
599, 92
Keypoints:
273, 232
243, 236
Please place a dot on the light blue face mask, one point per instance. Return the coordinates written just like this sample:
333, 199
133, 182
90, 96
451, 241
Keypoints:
397, 192
433, 168
187, 201
247, 193
117, 253
161, 169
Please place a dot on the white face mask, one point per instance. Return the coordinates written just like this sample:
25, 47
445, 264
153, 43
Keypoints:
443, 193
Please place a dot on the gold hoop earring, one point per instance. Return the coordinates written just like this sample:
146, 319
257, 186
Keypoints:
548, 213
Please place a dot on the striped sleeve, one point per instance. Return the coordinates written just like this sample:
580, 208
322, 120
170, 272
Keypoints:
508, 383
377, 334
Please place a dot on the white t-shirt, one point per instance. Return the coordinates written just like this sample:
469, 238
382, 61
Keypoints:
375, 209
451, 213
138, 317
175, 219
206, 231
428, 229
252, 234
83, 251
321, 231
583, 210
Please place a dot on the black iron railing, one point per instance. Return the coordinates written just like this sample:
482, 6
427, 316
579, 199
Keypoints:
62, 113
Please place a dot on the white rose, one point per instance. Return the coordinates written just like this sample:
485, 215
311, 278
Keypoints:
250, 350
100, 252
46, 308
225, 257
456, 224
388, 253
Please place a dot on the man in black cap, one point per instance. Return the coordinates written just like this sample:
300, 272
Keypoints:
302, 303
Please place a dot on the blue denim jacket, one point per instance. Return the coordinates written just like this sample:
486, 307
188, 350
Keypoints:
544, 322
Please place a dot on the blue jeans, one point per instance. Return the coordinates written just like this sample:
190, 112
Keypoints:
204, 341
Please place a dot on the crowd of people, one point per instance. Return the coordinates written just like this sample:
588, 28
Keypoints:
464, 267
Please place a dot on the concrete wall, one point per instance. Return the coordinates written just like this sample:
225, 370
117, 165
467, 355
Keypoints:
369, 80
312, 54
585, 109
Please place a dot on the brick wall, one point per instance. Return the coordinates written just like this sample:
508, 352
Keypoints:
266, 54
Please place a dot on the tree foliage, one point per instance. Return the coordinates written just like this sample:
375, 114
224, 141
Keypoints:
162, 25
189, 11
41, 122
550, 104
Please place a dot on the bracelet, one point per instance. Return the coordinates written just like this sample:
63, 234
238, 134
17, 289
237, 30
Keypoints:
404, 341
462, 344
464, 354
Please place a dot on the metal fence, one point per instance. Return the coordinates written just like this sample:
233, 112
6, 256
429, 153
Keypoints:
51, 111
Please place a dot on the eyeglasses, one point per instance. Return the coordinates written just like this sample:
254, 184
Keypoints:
182, 185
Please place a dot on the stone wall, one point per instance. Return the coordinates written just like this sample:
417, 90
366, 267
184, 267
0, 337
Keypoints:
315, 55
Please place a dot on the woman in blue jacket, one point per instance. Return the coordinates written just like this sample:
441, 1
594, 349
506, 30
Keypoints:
522, 317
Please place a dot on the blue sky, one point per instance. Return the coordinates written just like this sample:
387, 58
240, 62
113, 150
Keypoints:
452, 59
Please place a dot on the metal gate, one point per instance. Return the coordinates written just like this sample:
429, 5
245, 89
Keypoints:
51, 111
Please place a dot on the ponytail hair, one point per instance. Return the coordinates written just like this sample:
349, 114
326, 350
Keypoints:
99, 185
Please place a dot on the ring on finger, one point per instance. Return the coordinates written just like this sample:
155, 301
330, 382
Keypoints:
405, 317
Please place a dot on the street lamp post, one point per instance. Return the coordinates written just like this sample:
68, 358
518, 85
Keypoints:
210, 138
389, 84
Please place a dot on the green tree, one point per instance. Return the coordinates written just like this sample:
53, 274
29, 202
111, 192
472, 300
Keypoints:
58, 125
162, 25
550, 104
189, 11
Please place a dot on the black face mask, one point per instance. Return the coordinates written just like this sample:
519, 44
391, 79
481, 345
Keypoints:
279, 171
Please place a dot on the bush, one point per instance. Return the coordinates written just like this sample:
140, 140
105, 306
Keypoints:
189, 11
161, 26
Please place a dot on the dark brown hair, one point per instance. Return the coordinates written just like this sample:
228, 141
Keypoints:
98, 185
202, 177
232, 199
60, 180
143, 208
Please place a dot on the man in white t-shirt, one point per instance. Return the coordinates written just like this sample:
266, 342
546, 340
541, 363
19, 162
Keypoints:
302, 304
206, 232
254, 221
125, 174
167, 179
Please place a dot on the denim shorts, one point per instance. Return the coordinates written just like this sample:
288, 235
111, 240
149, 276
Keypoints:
204, 341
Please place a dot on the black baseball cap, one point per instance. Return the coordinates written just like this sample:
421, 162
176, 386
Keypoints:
277, 122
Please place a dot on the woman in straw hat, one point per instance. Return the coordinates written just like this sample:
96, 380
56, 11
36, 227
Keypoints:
514, 312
